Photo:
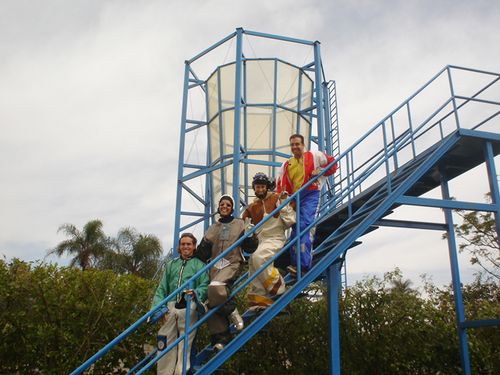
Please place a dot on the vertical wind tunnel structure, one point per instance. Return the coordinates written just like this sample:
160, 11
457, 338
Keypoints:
247, 109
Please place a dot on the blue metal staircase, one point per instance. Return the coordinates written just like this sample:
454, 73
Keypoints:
409, 161
335, 235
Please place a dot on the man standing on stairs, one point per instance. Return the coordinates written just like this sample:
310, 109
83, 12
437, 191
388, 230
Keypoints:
177, 272
295, 173
219, 236
269, 283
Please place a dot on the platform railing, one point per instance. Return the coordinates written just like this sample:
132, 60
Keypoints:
362, 168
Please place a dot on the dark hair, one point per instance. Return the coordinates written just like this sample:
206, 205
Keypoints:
190, 235
297, 136
261, 178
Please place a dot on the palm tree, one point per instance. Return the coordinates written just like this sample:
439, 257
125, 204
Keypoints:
402, 286
86, 246
136, 253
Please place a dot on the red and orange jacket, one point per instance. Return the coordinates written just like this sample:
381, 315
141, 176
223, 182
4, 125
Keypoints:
312, 160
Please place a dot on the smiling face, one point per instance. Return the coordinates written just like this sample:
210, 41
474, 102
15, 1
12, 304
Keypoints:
225, 208
297, 147
260, 190
186, 247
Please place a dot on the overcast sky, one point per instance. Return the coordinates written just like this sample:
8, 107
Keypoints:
90, 100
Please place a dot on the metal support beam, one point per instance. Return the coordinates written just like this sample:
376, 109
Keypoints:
446, 203
237, 120
319, 95
181, 152
481, 323
278, 37
455, 278
410, 224
333, 278
493, 180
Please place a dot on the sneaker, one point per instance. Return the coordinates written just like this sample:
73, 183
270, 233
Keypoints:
218, 347
256, 309
259, 300
236, 319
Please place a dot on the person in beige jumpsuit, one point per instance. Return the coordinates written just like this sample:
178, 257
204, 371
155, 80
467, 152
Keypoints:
224, 272
269, 283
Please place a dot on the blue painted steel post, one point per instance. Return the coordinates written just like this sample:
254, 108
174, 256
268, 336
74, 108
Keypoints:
410, 127
298, 263
180, 166
221, 132
245, 129
237, 117
187, 331
299, 102
208, 176
333, 278
395, 155
453, 100
386, 152
319, 95
455, 277
327, 120
275, 96
328, 129
493, 179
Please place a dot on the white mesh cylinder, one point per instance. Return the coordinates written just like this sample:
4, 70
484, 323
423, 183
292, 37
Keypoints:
273, 94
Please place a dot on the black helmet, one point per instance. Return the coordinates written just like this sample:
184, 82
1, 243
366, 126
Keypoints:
261, 178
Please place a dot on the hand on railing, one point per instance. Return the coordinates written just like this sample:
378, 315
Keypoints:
163, 312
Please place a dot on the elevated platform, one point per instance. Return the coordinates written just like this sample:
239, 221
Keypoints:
466, 154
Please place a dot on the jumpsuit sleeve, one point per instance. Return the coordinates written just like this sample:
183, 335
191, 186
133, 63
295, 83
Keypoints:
162, 289
204, 250
202, 285
246, 214
325, 160
250, 243
280, 184
287, 214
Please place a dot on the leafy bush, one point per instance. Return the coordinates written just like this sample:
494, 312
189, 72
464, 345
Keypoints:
52, 319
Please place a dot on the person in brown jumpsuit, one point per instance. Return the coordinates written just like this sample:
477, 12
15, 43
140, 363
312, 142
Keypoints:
224, 272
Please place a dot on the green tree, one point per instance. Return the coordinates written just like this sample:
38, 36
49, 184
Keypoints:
54, 318
480, 239
134, 253
86, 246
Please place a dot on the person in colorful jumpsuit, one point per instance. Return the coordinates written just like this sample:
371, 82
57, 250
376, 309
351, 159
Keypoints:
177, 272
269, 283
224, 272
295, 173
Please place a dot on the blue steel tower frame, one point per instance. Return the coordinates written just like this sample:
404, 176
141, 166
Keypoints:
321, 112
318, 112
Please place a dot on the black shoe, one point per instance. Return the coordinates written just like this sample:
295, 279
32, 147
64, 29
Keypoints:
292, 270
220, 340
